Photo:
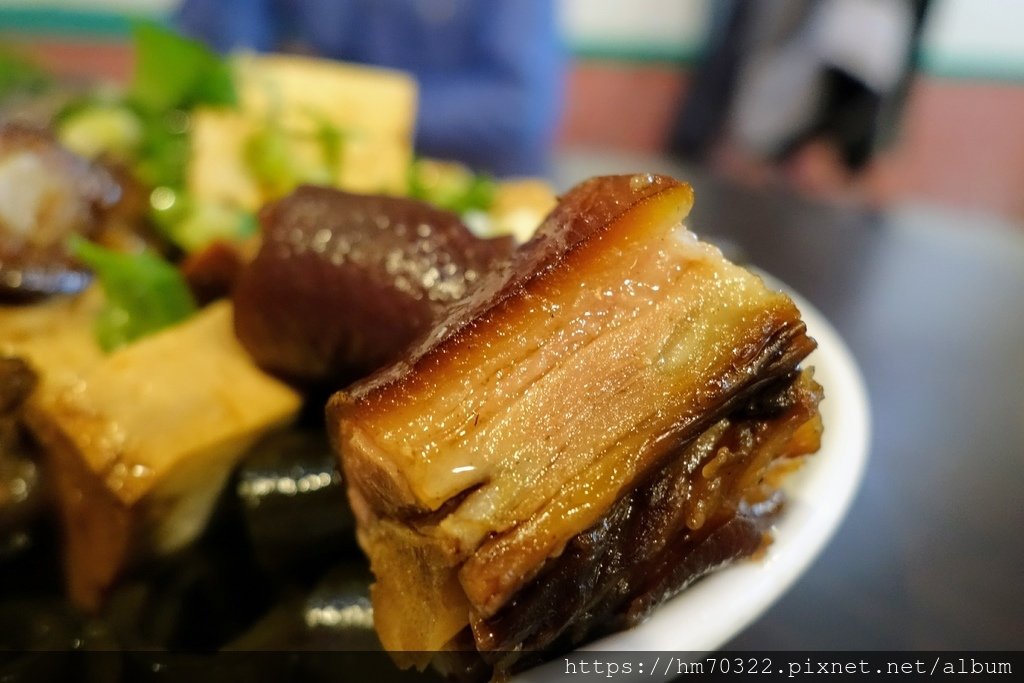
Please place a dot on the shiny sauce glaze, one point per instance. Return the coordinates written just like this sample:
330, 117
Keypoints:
343, 283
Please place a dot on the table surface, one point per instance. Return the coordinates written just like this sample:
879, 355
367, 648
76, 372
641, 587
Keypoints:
931, 303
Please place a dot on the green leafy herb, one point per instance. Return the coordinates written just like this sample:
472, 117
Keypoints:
144, 293
164, 149
206, 222
149, 127
173, 72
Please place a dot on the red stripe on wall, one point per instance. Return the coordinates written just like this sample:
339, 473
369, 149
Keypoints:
621, 106
78, 59
962, 143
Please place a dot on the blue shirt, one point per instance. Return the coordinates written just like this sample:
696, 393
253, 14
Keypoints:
490, 71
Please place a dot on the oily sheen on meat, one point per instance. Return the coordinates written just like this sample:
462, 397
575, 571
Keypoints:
614, 351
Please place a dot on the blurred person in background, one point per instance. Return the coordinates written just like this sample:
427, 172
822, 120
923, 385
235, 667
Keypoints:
809, 87
490, 71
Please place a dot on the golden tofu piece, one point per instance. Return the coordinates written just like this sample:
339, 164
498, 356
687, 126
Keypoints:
373, 108
140, 444
56, 336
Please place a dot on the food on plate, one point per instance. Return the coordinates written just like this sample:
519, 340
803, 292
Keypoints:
212, 272
208, 140
519, 206
140, 444
21, 491
513, 206
590, 430
291, 480
301, 119
547, 435
46, 194
344, 282
57, 336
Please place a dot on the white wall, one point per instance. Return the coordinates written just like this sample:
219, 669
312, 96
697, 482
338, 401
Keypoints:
647, 26
960, 35
975, 35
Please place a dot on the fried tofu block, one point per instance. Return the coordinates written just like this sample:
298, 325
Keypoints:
56, 336
373, 108
140, 444
563, 386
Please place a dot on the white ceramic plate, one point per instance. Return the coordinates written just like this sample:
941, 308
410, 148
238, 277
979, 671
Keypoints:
713, 610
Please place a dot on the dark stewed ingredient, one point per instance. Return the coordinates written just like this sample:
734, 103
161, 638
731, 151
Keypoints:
21, 491
343, 283
47, 194
293, 503
564, 451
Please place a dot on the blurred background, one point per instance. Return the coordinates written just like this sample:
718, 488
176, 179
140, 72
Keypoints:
939, 120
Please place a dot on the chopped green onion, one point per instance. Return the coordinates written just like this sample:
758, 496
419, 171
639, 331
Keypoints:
274, 156
144, 293
102, 128
206, 222
460, 192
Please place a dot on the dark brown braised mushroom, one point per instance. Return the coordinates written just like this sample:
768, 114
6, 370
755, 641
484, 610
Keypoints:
344, 282
46, 195
211, 273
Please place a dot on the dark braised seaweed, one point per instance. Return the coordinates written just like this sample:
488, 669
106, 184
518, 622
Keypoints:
293, 503
47, 194
344, 282
332, 625
21, 491
17, 380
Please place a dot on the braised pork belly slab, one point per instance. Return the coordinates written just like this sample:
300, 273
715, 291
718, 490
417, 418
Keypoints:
592, 429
